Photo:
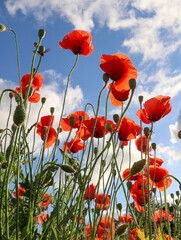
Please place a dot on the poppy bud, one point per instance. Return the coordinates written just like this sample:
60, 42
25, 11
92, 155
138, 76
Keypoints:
172, 195
72, 120
116, 118
13, 127
129, 185
41, 33
1, 130
80, 118
10, 95
153, 145
140, 98
19, 115
105, 77
179, 134
2, 28
52, 110
43, 100
114, 172
138, 166
146, 131
4, 164
132, 83
30, 92
41, 49
109, 127
8, 151
103, 163
177, 193
67, 168
122, 229
177, 201
119, 206
95, 150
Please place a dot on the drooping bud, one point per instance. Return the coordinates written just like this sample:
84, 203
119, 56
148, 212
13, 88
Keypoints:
179, 134
138, 166
10, 95
41, 49
116, 118
119, 206
52, 110
105, 77
147, 131
72, 120
41, 33
153, 145
19, 115
109, 127
140, 99
129, 185
122, 229
172, 195
43, 100
95, 150
80, 118
67, 168
177, 193
2, 28
132, 83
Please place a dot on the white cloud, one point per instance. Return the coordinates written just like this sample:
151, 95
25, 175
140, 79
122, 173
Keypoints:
175, 128
168, 153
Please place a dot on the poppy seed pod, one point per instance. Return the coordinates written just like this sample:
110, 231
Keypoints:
132, 83
19, 115
146, 131
153, 145
116, 118
2, 28
72, 120
140, 98
41, 33
138, 166
105, 77
122, 229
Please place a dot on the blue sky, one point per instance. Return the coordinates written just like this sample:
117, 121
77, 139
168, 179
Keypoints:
149, 32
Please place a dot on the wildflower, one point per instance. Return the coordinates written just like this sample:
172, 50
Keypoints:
77, 218
78, 41
65, 125
104, 228
88, 229
45, 203
126, 172
74, 146
158, 161
103, 201
43, 217
126, 218
36, 85
157, 175
21, 190
128, 129
144, 144
161, 213
90, 192
42, 128
155, 109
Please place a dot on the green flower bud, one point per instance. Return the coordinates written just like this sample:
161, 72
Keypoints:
140, 99
43, 100
41, 49
95, 150
138, 166
67, 168
105, 77
129, 185
52, 110
119, 206
132, 83
72, 120
179, 134
19, 115
153, 145
109, 127
41, 33
80, 118
147, 131
116, 118
2, 28
10, 95
172, 195
13, 127
177, 193
1, 130
122, 229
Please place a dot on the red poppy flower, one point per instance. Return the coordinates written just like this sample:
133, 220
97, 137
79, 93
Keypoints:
128, 129
36, 84
104, 229
74, 146
90, 192
126, 172
102, 201
77, 218
126, 219
65, 121
88, 230
86, 130
21, 190
158, 161
157, 175
42, 127
134, 235
78, 41
45, 203
144, 144
43, 218
161, 213
155, 109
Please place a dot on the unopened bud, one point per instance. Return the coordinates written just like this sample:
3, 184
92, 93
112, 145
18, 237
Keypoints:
52, 109
140, 99
4, 165
179, 134
68, 169
153, 145
2, 28
177, 193
13, 127
129, 185
10, 95
116, 118
177, 201
41, 49
138, 166
19, 115
105, 77
119, 206
132, 83
109, 127
172, 195
95, 150
146, 131
122, 229
43, 100
41, 33
72, 120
